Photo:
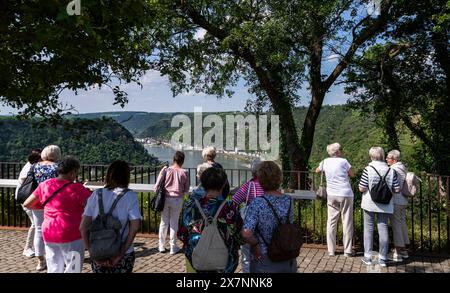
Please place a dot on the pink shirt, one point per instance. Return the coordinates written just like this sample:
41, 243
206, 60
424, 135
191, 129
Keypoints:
62, 214
241, 195
177, 181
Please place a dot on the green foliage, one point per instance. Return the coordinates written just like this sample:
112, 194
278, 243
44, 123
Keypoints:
98, 141
44, 51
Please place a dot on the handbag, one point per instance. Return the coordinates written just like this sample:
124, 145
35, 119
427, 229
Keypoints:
244, 206
158, 200
321, 192
28, 186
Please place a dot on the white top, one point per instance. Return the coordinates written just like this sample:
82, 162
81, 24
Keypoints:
126, 209
399, 198
336, 172
22, 176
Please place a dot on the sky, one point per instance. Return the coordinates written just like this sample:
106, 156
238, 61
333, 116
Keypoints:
156, 96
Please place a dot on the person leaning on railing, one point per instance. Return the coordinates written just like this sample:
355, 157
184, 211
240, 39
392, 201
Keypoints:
64, 204
176, 186
339, 197
371, 209
33, 158
126, 211
398, 219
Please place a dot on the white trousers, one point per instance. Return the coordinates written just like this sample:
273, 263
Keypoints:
169, 218
339, 206
64, 257
30, 236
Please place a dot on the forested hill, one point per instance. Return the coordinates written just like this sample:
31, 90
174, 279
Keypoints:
355, 132
97, 141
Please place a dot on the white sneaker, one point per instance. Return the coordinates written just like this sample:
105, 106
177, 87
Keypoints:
174, 250
396, 257
29, 252
161, 249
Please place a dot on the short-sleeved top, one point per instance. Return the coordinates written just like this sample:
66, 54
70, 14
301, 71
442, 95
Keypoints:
336, 172
176, 183
261, 220
62, 213
43, 172
255, 190
22, 176
127, 209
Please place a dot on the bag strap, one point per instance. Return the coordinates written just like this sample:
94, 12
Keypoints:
248, 191
101, 210
54, 193
119, 196
273, 210
205, 218
321, 174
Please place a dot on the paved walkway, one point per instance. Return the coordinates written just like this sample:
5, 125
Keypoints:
149, 260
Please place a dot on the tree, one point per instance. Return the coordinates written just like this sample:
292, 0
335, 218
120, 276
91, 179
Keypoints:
44, 51
275, 46
407, 80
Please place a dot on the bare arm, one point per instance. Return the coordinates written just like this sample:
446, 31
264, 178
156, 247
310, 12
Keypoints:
351, 172
250, 238
134, 228
31, 201
84, 230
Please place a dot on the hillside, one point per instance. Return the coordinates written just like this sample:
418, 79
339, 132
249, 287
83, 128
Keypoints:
98, 141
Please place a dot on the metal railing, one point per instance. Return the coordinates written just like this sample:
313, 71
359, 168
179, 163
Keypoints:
428, 215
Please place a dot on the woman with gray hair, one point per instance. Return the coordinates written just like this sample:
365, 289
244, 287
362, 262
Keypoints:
243, 197
377, 170
209, 154
44, 170
339, 197
398, 220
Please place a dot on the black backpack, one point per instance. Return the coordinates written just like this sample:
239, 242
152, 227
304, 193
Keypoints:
28, 186
380, 192
286, 238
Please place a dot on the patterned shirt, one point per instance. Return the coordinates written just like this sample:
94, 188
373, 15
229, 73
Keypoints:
43, 172
261, 220
229, 223
255, 190
364, 182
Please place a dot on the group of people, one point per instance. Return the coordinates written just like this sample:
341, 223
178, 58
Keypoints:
340, 196
62, 211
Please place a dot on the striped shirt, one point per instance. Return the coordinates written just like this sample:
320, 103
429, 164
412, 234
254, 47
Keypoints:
364, 182
241, 195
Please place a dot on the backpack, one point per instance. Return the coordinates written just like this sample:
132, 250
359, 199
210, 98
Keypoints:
410, 184
380, 192
28, 186
105, 239
286, 238
210, 253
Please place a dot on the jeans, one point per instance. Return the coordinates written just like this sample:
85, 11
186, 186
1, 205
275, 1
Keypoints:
169, 218
267, 266
245, 258
39, 246
382, 219
399, 227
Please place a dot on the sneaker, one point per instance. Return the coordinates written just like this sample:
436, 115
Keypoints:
29, 252
352, 254
382, 262
161, 249
396, 257
42, 265
174, 250
404, 254
330, 253
366, 261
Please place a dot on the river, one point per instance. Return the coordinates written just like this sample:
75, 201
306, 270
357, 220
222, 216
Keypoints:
193, 158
